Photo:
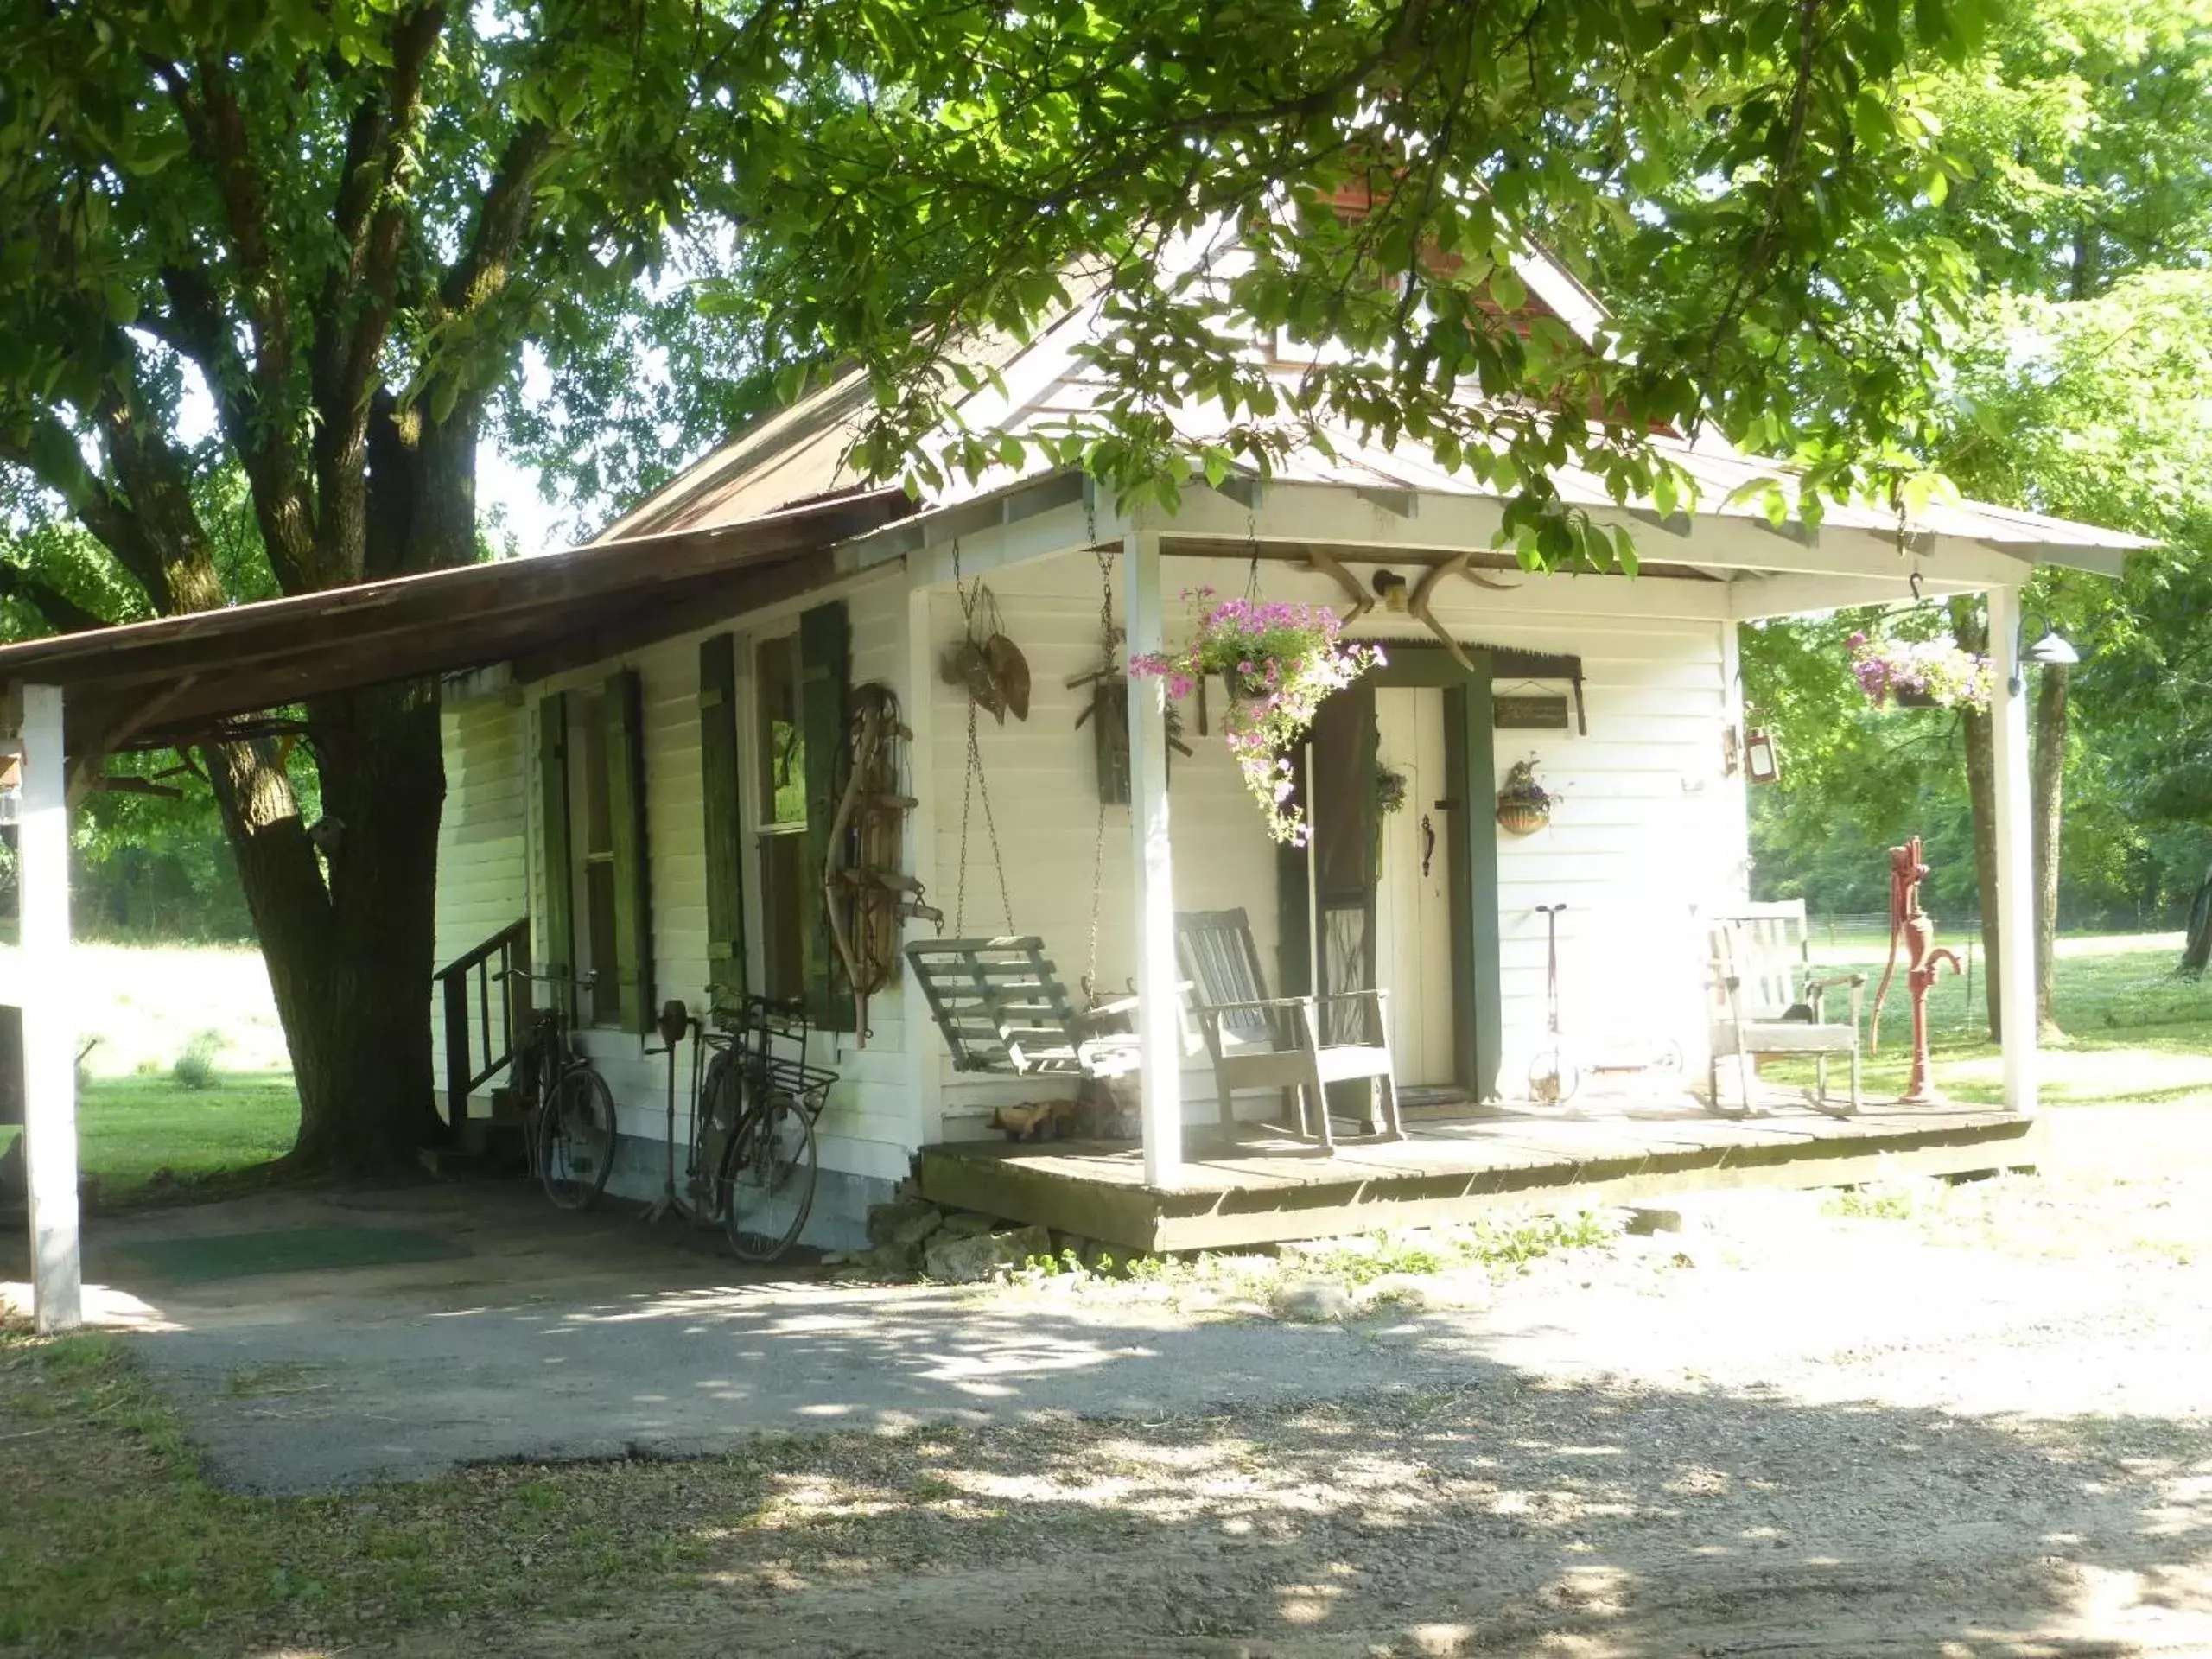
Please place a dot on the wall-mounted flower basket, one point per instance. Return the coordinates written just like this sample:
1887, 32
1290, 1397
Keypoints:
1524, 806
1522, 818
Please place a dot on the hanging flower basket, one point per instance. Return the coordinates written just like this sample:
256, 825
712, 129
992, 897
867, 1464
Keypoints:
1524, 806
1279, 661
1919, 673
1521, 818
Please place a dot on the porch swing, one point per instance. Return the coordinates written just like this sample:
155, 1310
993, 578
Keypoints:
999, 1001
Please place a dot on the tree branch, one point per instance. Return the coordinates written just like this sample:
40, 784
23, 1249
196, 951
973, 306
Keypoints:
501, 221
353, 320
60, 612
206, 103
49, 453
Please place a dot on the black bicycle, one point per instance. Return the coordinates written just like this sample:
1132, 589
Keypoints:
567, 1110
754, 1123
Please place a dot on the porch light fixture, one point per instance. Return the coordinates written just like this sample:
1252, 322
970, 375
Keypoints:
1390, 588
2052, 650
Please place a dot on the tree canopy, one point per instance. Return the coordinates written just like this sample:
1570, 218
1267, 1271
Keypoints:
271, 273
2083, 137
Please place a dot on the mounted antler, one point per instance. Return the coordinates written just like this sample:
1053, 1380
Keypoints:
1362, 600
1425, 590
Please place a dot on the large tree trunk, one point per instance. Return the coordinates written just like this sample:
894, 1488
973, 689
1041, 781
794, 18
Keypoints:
349, 958
2046, 786
1970, 628
2196, 950
346, 908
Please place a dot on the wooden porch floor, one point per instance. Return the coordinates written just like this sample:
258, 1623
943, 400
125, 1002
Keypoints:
1252, 1185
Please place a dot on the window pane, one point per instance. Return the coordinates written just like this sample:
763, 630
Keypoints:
778, 743
599, 901
782, 870
599, 831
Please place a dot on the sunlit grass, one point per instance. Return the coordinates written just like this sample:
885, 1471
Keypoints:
2134, 1031
139, 1136
116, 1543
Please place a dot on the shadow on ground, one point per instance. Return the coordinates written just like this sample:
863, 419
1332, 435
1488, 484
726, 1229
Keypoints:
910, 1473
1495, 1515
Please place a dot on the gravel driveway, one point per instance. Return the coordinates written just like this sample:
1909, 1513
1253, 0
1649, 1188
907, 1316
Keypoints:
1972, 1421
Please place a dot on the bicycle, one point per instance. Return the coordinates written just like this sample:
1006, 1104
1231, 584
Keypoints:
568, 1112
756, 1131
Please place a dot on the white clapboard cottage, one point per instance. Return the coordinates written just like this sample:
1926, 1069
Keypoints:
644, 748
652, 810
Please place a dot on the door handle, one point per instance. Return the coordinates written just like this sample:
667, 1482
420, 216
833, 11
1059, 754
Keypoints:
1427, 842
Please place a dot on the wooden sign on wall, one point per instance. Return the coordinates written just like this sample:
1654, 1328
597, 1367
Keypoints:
1541, 712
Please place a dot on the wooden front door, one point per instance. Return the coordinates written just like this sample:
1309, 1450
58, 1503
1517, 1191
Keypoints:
1417, 919
1414, 913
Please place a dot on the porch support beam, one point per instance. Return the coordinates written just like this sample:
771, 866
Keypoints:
925, 1058
1443, 523
1752, 598
2016, 906
1520, 596
49, 1031
1159, 1027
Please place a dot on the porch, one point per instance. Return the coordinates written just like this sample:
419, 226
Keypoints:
1249, 1184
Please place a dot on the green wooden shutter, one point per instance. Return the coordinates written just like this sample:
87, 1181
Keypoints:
824, 666
625, 817
725, 840
1470, 769
555, 945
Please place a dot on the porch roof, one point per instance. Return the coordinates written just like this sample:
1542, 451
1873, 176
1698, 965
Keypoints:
171, 677
1043, 383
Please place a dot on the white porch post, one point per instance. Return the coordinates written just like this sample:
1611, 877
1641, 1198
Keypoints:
49, 1036
924, 1055
2016, 905
1158, 1025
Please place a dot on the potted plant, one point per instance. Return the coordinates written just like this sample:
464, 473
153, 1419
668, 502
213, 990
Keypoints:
1278, 662
1524, 806
1919, 673
1389, 789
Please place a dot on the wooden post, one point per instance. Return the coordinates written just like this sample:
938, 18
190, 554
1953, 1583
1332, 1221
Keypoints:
2016, 905
49, 1031
925, 1053
1159, 1024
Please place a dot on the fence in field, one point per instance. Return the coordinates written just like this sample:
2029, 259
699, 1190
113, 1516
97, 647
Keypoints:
1873, 927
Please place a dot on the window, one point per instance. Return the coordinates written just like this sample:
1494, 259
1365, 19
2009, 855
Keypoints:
590, 809
598, 914
779, 797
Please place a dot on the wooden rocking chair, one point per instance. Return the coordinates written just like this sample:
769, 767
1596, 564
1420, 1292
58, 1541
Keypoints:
1003, 1008
1766, 1000
1256, 1041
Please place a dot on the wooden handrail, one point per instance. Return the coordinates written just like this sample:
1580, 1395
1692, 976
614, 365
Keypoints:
504, 958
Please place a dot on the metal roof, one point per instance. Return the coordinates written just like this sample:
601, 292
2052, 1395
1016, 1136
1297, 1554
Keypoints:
174, 676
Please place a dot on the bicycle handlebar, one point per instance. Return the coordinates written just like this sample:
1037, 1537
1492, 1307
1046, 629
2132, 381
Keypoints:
716, 993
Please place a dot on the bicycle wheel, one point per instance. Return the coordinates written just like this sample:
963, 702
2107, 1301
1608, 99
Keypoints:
768, 1173
575, 1135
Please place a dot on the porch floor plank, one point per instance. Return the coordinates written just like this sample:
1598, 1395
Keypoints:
1250, 1183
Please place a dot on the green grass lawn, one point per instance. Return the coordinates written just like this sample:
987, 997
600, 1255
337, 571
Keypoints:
2135, 1032
130, 1130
